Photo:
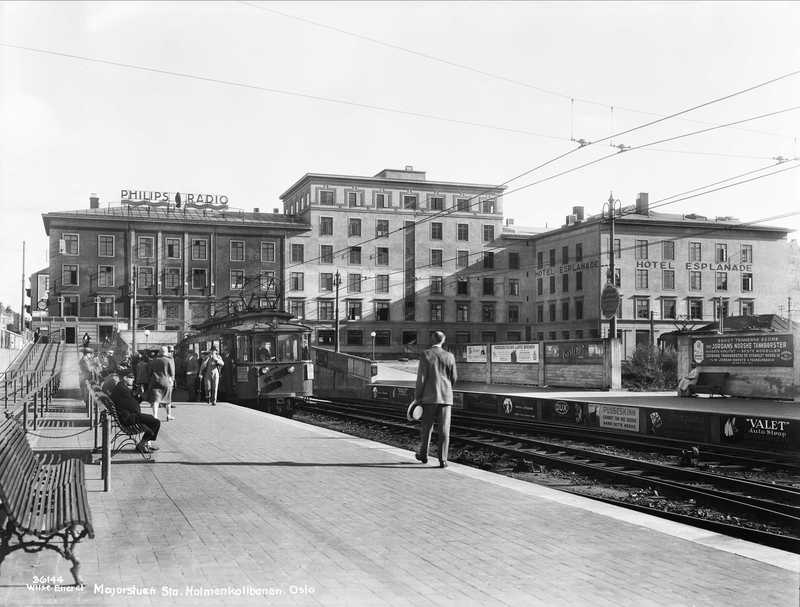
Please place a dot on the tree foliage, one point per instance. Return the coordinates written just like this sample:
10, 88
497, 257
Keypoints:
650, 368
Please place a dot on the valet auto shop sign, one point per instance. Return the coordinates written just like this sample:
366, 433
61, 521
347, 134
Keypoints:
744, 350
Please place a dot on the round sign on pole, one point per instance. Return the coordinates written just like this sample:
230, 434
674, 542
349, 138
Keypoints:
609, 300
41, 304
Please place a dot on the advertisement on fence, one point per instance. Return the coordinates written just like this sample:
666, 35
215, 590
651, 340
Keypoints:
744, 351
574, 353
515, 353
616, 417
476, 354
757, 430
683, 425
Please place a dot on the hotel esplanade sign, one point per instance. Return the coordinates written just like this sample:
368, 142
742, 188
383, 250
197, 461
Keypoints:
176, 199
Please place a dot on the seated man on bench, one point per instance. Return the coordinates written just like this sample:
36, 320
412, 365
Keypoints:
685, 384
130, 413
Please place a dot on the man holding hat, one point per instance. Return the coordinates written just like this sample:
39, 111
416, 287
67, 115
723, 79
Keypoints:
130, 413
436, 375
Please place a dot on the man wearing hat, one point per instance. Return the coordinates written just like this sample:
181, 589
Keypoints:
130, 413
436, 375
162, 380
209, 371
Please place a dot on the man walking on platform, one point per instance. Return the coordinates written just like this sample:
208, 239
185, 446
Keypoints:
162, 380
436, 375
209, 371
130, 413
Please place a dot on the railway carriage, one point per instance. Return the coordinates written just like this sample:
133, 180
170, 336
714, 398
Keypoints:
266, 354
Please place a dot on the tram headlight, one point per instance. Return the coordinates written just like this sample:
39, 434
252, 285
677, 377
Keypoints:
290, 369
263, 370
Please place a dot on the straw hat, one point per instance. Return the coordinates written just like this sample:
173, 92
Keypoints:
414, 412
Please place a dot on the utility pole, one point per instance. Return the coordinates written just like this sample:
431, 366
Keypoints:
22, 302
337, 280
133, 307
789, 313
612, 322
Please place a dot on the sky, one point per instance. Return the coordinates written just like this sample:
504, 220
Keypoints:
243, 98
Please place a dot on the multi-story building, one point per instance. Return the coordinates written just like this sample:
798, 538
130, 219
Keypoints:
671, 270
160, 267
407, 256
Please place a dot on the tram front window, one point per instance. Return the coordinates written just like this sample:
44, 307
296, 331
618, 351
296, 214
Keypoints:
288, 348
243, 348
265, 348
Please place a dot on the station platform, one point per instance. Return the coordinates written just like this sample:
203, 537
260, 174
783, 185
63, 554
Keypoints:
244, 508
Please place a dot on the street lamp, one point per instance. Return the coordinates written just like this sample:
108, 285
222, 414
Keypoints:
147, 338
372, 335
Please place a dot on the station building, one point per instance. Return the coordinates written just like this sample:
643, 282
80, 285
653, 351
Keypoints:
407, 256
673, 272
157, 267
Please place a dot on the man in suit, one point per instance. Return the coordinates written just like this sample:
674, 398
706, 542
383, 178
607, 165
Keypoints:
209, 371
436, 375
162, 379
130, 413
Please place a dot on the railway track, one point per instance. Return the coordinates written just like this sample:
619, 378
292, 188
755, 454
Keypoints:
753, 504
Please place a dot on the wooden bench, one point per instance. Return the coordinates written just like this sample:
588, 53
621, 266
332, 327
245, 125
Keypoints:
42, 506
123, 434
710, 383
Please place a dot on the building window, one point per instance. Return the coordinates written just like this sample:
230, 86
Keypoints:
355, 256
173, 248
488, 286
105, 276
641, 249
326, 281
513, 261
409, 338
617, 248
488, 206
71, 305
722, 281
237, 280
437, 311
551, 310
540, 313
669, 308
380, 201
382, 228
539, 260
552, 284
381, 310
579, 280
382, 283
354, 227
462, 204
354, 283
463, 337
641, 279
326, 337
71, 246
539, 286
354, 200
353, 309
462, 258
488, 233
564, 310
641, 307
237, 250
513, 313
747, 253
695, 308
462, 231
668, 280
513, 287
552, 255
106, 307
488, 260
462, 287
695, 251
145, 310
564, 283
410, 309
748, 307
721, 306
462, 311
747, 281
145, 277
578, 309
296, 281
198, 278
325, 309
298, 253
327, 197
579, 251
721, 252
579, 334
383, 338
695, 281
488, 337
382, 256
564, 254
326, 253
409, 202
267, 282
267, 251
297, 308
437, 285
436, 258
145, 247
436, 230
668, 249
437, 203
487, 312
105, 246
69, 275
172, 278
326, 226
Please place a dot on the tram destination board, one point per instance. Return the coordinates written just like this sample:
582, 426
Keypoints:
744, 350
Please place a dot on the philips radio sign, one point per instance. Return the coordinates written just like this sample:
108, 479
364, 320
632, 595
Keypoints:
178, 199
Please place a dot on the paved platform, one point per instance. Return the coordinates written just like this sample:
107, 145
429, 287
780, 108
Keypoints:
239, 502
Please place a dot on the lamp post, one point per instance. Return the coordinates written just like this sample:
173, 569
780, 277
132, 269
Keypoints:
147, 338
613, 206
372, 335
337, 280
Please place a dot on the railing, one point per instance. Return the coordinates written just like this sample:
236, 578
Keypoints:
31, 388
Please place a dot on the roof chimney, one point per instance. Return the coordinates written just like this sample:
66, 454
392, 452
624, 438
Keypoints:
643, 203
571, 219
578, 212
409, 167
94, 201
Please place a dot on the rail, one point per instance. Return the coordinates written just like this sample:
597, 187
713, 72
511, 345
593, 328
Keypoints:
30, 389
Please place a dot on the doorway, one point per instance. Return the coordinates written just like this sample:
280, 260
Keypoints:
69, 335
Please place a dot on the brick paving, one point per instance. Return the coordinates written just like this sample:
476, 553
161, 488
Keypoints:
239, 500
